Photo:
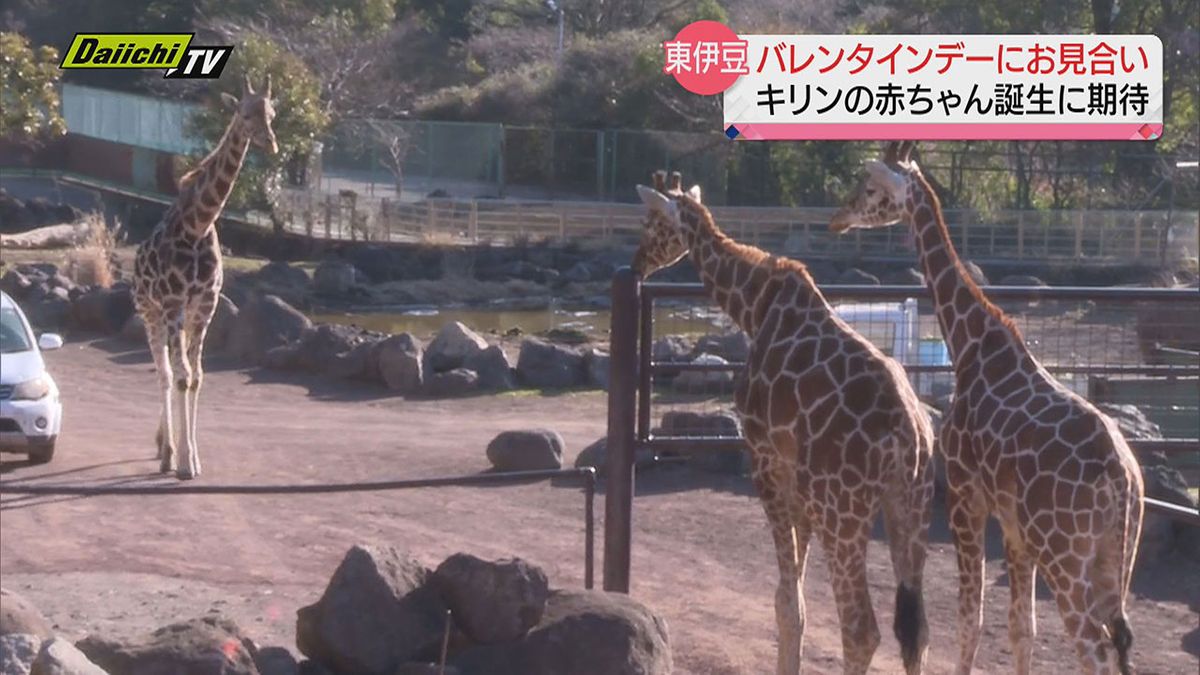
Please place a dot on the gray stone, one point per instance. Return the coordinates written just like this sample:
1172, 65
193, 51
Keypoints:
334, 277
596, 456
671, 349
543, 365
704, 382
581, 633
493, 367
263, 324
377, 613
275, 661
18, 615
399, 359
452, 383
281, 275
17, 653
729, 346
857, 277
206, 646
451, 347
688, 423
219, 329
975, 272
526, 450
102, 310
1162, 535
1132, 422
327, 349
15, 284
59, 657
597, 363
905, 277
1022, 280
492, 601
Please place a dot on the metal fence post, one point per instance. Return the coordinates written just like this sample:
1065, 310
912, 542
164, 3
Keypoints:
622, 400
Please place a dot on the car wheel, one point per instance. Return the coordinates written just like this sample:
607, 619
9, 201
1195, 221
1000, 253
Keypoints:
42, 454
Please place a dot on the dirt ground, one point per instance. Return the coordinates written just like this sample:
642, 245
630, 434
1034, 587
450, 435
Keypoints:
702, 552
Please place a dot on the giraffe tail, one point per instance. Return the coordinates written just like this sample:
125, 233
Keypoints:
909, 625
1118, 628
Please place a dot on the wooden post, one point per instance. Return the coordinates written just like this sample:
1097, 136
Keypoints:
562, 225
473, 222
1020, 234
1079, 235
328, 216
1137, 236
966, 232
386, 216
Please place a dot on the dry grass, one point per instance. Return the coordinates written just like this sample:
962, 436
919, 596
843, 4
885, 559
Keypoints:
93, 262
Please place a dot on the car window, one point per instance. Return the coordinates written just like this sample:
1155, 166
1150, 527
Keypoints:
13, 337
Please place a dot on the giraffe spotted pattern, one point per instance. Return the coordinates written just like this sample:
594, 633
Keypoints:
1054, 470
834, 428
178, 275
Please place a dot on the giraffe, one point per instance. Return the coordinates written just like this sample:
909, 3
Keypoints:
1054, 470
178, 275
834, 428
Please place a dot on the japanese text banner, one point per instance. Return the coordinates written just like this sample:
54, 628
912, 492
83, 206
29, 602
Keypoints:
938, 87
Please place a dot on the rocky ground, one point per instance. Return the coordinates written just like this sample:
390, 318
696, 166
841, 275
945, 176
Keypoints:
120, 567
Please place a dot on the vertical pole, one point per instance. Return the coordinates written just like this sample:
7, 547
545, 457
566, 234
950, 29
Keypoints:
473, 222
622, 401
1020, 234
1079, 235
589, 519
1137, 236
646, 340
328, 216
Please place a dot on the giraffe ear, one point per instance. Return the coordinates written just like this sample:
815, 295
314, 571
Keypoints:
229, 100
882, 173
694, 192
654, 199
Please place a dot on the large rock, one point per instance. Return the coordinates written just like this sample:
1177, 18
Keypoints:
400, 367
452, 383
1022, 280
493, 367
204, 646
544, 365
221, 327
597, 363
671, 349
18, 615
265, 323
905, 277
17, 653
688, 423
327, 348
527, 450
729, 346
581, 633
704, 382
334, 277
15, 284
496, 601
282, 276
856, 277
975, 272
1162, 535
1132, 422
103, 310
596, 456
377, 613
59, 657
450, 349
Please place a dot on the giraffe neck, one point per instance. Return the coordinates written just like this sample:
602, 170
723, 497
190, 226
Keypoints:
735, 274
205, 189
956, 296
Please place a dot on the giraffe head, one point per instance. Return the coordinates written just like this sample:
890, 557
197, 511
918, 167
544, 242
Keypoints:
255, 113
664, 241
879, 200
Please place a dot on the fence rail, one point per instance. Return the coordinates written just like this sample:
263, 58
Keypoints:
633, 368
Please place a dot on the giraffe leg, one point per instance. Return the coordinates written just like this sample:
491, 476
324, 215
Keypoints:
791, 537
1087, 584
844, 537
177, 344
1022, 620
906, 515
195, 346
968, 520
165, 439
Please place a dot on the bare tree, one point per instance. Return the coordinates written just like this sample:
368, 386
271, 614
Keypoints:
396, 142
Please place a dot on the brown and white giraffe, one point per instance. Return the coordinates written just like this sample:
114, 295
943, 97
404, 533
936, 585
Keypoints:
1019, 445
178, 275
834, 427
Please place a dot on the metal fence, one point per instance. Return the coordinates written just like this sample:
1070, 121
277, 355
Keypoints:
1116, 346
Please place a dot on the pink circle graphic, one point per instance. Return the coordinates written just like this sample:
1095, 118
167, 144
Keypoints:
706, 57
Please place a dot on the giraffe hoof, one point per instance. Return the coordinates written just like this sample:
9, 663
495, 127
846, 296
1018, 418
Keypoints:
185, 475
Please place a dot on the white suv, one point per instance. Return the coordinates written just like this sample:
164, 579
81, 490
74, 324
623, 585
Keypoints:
30, 412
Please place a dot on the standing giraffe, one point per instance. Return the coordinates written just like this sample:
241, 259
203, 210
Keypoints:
1019, 445
833, 425
178, 275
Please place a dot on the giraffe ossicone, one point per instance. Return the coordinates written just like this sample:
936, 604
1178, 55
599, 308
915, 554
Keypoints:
835, 430
178, 276
1054, 470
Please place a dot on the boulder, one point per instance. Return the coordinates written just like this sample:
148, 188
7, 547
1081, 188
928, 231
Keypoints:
492, 601
59, 657
208, 645
399, 359
15, 284
729, 346
704, 382
378, 612
526, 450
18, 615
264, 323
596, 456
976, 273
1161, 535
1022, 280
856, 277
452, 383
1132, 422
671, 349
905, 277
451, 347
51, 312
326, 348
597, 363
543, 365
275, 661
221, 327
493, 367
688, 423
134, 330
103, 310
588, 270
581, 633
334, 277
281, 276
17, 653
